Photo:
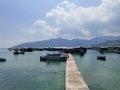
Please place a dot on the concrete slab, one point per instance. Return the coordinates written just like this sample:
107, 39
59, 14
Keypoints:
74, 80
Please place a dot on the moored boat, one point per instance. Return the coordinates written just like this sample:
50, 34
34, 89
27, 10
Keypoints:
2, 59
61, 57
18, 52
101, 57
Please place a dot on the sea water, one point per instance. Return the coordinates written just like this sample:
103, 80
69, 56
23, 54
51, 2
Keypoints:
27, 72
100, 75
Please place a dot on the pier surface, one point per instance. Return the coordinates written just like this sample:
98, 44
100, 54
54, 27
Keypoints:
74, 80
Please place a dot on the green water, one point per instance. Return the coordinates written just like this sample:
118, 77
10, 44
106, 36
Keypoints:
26, 72
100, 75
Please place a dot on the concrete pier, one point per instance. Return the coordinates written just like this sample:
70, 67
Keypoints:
74, 80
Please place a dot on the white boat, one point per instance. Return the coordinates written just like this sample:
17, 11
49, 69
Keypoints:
62, 57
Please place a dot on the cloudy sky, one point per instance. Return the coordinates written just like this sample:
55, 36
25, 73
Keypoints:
36, 20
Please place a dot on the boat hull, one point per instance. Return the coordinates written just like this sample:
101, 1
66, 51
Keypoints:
54, 57
2, 59
101, 58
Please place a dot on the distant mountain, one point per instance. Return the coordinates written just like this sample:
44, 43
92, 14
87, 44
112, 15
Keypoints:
110, 43
102, 39
60, 42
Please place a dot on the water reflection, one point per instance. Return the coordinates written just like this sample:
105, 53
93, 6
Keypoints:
2, 62
79, 54
26, 72
100, 75
53, 62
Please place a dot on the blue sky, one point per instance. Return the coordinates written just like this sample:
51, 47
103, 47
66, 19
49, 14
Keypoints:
35, 20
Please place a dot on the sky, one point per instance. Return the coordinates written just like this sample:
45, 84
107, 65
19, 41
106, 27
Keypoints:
36, 20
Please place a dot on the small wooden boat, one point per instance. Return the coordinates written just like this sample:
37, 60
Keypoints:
18, 52
101, 57
2, 59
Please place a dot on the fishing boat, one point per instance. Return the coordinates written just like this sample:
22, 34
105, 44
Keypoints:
101, 57
2, 59
62, 57
18, 52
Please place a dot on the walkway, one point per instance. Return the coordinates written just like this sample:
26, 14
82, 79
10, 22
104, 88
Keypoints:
74, 80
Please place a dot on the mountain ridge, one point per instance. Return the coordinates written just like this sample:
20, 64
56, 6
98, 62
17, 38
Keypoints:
60, 42
110, 43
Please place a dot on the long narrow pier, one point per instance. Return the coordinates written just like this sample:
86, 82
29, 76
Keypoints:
74, 80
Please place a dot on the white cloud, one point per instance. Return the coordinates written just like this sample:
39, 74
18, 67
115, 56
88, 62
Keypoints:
29, 30
42, 28
40, 23
85, 32
103, 12
108, 33
79, 22
83, 21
